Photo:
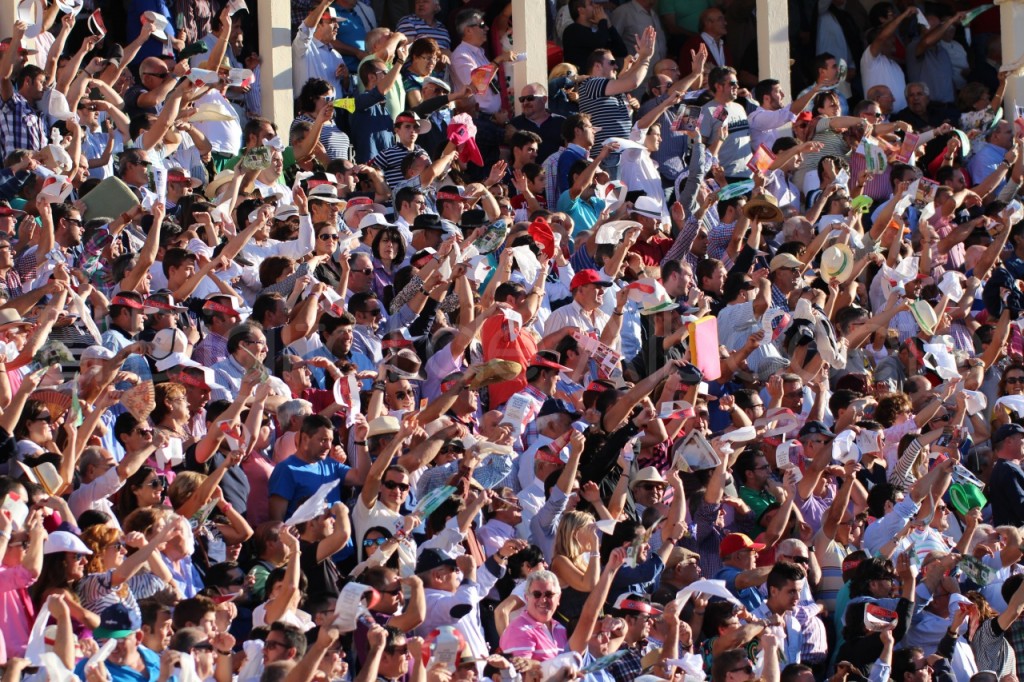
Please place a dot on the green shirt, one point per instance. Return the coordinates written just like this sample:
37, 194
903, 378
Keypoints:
394, 99
757, 501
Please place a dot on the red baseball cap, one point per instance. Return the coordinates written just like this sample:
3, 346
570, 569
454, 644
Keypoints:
588, 276
734, 542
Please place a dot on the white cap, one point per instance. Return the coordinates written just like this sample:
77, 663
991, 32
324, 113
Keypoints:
63, 541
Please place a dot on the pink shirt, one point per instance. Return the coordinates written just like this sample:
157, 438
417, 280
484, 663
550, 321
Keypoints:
257, 469
16, 612
530, 638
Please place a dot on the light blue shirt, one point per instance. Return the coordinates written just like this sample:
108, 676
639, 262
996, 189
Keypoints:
313, 59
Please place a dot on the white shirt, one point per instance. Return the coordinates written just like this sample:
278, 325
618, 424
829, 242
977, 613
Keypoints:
764, 126
882, 70
465, 58
225, 136
313, 59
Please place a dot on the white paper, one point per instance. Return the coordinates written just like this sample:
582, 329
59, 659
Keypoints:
314, 506
950, 286
516, 413
612, 231
867, 441
844, 447
160, 183
740, 435
527, 262
350, 606
668, 409
236, 6
1012, 402
711, 588
103, 653
170, 455
513, 322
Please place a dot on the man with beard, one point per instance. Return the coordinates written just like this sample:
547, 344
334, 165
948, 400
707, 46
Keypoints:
315, 462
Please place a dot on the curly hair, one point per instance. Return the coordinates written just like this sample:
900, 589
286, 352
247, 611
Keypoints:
97, 539
890, 406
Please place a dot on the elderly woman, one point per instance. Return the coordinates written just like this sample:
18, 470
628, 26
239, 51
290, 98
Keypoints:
109, 572
423, 57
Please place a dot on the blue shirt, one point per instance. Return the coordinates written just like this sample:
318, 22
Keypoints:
351, 31
584, 212
374, 123
121, 673
750, 596
295, 480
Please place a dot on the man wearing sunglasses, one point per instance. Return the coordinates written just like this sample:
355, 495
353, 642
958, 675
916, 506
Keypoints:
536, 118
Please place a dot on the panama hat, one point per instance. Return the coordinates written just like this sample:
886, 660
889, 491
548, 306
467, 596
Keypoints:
836, 263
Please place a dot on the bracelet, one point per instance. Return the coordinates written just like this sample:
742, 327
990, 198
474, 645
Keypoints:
223, 653
378, 386
595, 555
617, 312
360, 442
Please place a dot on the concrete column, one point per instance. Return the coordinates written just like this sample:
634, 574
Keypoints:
278, 102
1011, 18
773, 42
529, 36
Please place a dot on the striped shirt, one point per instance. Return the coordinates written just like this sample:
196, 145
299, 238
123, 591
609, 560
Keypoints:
389, 161
333, 138
415, 28
97, 593
609, 113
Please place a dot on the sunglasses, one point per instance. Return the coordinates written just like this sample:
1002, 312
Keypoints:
365, 271
376, 312
119, 545
537, 594
156, 484
402, 395
1015, 380
652, 486
392, 591
395, 485
799, 559
374, 541
327, 237
397, 650
528, 98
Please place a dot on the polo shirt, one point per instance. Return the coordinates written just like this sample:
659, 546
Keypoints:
295, 479
529, 638
353, 25
415, 28
758, 501
584, 212
609, 113
750, 596
376, 127
550, 132
122, 673
389, 161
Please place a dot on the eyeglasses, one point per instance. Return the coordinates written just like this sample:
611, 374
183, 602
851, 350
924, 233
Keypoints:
528, 98
273, 645
371, 542
537, 594
395, 485
327, 237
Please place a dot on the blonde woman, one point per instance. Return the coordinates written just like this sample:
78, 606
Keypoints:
576, 562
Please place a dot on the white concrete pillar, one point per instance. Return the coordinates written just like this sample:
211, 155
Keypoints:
275, 29
1011, 19
773, 42
529, 36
